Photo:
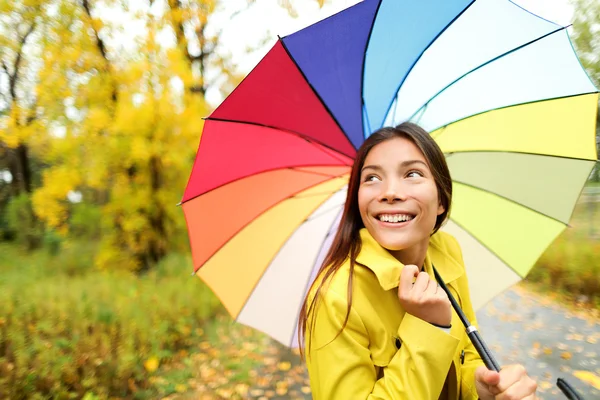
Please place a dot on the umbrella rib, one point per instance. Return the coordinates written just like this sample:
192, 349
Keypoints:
290, 132
511, 200
277, 253
244, 226
300, 196
317, 94
461, 226
481, 66
312, 217
421, 55
509, 106
449, 154
299, 169
535, 15
363, 110
271, 170
308, 281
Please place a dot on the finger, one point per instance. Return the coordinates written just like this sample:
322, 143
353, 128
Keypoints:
486, 376
510, 375
406, 278
432, 287
421, 283
524, 388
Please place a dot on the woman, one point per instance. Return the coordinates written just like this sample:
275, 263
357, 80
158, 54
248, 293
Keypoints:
375, 324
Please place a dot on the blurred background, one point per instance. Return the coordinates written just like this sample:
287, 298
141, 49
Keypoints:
101, 107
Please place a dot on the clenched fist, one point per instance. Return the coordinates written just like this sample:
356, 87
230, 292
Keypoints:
424, 299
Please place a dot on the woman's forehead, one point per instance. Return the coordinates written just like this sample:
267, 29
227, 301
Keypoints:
394, 151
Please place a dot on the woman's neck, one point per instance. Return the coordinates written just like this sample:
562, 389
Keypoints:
415, 255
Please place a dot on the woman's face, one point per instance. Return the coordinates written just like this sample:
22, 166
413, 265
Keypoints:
398, 199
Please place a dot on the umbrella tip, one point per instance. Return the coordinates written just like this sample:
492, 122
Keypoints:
178, 204
193, 273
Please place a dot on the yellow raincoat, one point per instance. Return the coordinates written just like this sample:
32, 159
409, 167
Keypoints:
383, 352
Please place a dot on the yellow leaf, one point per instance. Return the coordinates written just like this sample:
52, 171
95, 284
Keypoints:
588, 377
566, 355
241, 389
547, 350
305, 389
284, 366
180, 388
151, 364
545, 385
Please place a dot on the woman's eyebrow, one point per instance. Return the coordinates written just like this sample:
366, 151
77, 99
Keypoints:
411, 162
374, 167
403, 164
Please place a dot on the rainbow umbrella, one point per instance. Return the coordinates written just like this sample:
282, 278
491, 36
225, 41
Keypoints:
499, 88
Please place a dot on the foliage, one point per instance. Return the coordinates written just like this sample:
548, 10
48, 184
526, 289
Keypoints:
586, 38
571, 264
66, 330
20, 219
112, 113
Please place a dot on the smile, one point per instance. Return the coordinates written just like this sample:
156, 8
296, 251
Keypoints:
395, 218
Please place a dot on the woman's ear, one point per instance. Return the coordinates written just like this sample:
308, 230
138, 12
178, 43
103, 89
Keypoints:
441, 208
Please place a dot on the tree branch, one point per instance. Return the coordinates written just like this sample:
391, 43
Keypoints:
15, 76
99, 44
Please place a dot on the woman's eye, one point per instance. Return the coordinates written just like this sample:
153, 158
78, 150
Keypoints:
414, 174
372, 178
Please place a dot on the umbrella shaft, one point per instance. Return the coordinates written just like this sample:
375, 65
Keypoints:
476, 339
484, 352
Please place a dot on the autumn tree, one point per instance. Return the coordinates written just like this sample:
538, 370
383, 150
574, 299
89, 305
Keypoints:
21, 25
121, 110
586, 38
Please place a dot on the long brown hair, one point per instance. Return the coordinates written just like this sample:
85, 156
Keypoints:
346, 243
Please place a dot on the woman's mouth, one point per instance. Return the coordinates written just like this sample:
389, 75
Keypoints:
395, 218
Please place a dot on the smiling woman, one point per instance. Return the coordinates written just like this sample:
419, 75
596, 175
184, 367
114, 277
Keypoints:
375, 322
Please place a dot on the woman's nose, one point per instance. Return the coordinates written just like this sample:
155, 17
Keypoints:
392, 193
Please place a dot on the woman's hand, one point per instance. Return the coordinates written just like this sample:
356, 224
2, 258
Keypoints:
424, 299
511, 383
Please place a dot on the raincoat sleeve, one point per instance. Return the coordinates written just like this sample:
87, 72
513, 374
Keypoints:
472, 359
342, 368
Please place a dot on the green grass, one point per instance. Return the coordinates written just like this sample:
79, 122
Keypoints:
571, 265
67, 329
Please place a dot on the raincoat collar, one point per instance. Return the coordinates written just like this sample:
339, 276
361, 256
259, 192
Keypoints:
387, 268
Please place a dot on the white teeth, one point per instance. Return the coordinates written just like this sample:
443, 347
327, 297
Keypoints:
395, 217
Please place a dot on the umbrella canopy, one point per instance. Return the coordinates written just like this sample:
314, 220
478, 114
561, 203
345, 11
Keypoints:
500, 89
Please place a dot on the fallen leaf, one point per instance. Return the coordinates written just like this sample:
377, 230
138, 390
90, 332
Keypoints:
241, 389
565, 355
281, 391
536, 345
591, 340
305, 389
284, 366
575, 336
588, 377
545, 385
547, 351
151, 364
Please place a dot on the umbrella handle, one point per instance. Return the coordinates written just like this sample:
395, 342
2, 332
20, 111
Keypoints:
484, 352
568, 390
